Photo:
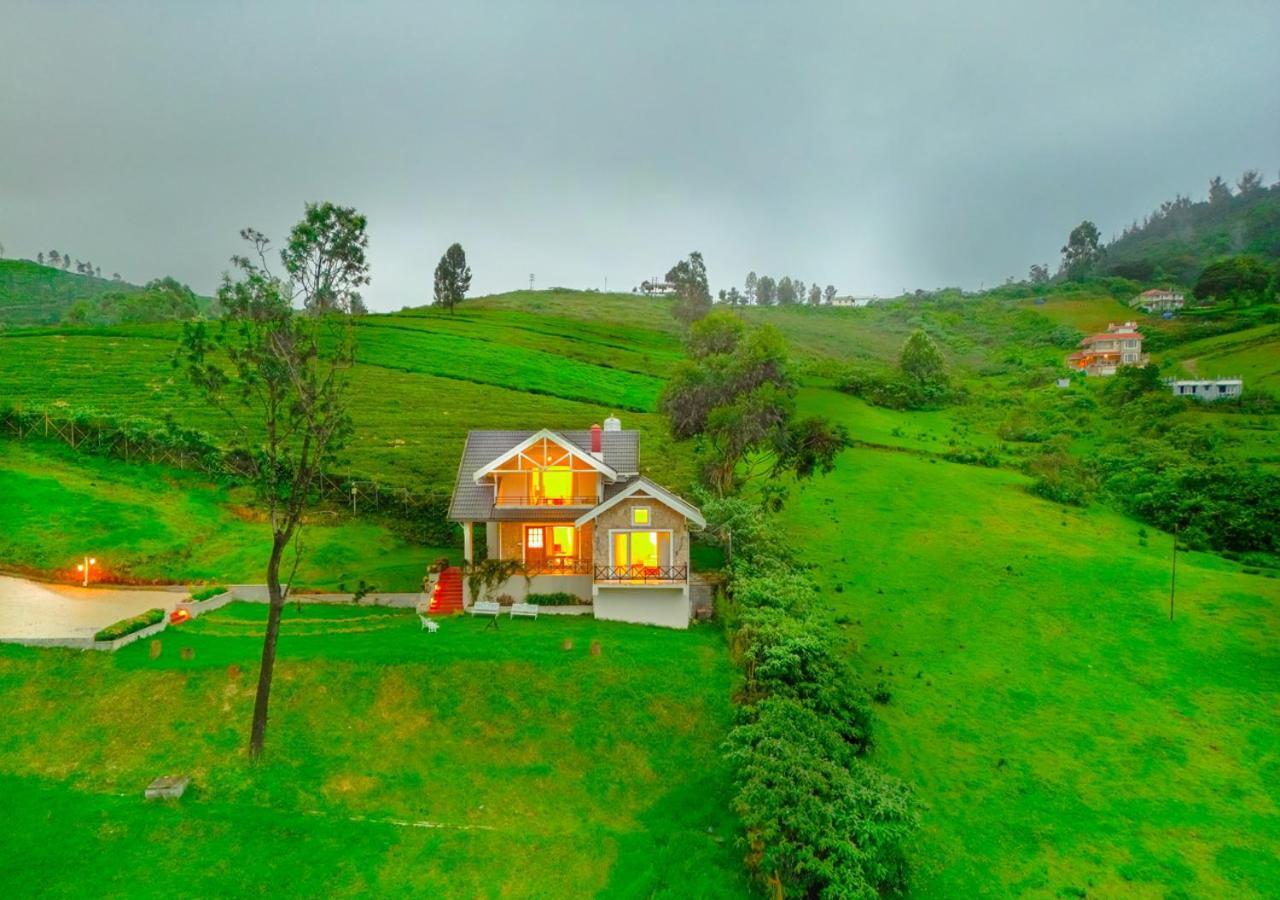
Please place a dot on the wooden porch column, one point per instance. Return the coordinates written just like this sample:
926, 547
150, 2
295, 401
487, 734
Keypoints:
468, 551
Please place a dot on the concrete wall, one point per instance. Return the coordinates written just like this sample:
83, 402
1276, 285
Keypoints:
257, 593
664, 519
643, 605
520, 587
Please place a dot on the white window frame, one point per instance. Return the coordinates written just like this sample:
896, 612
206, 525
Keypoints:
642, 526
615, 564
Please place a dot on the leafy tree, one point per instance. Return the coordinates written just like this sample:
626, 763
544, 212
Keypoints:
766, 291
281, 377
325, 258
815, 295
802, 292
829, 295
66, 262
737, 393
750, 287
55, 258
1219, 190
1039, 273
40, 257
786, 291
1250, 181
921, 361
1081, 250
693, 297
733, 297
1242, 280
453, 277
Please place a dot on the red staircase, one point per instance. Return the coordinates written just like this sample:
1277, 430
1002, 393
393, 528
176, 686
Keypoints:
446, 599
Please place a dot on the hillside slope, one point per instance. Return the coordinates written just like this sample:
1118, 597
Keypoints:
1178, 240
32, 294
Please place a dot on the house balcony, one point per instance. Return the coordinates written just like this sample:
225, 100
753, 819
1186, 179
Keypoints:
525, 502
641, 574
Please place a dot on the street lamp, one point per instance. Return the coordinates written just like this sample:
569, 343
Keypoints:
84, 567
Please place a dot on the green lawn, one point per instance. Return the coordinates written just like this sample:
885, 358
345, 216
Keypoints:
154, 523
470, 763
1066, 738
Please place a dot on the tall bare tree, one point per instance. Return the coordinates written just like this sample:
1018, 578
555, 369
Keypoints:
281, 375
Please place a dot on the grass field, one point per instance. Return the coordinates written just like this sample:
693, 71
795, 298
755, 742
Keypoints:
1253, 354
1066, 738
152, 523
470, 763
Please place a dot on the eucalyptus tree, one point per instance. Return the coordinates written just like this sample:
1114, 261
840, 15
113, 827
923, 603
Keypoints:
281, 374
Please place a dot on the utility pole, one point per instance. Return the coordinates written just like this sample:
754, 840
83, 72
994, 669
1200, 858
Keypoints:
1173, 572
530, 281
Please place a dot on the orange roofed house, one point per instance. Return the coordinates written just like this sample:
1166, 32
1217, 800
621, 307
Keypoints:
574, 510
1104, 353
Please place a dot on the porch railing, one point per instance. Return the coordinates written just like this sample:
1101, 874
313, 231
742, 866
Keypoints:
546, 501
642, 574
560, 566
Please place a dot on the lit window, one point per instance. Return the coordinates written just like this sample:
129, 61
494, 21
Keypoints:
639, 515
535, 538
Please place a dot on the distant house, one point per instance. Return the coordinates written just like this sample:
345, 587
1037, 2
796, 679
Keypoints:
1207, 389
1158, 301
572, 509
1104, 353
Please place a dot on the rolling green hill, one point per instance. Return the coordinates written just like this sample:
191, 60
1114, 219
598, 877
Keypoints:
32, 294
1064, 737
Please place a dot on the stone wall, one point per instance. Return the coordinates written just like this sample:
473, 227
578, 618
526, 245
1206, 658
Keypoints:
663, 519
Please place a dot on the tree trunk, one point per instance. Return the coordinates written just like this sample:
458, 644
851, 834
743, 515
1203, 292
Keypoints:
276, 606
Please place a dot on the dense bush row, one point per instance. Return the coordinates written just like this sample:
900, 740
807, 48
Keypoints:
130, 625
555, 598
820, 819
208, 593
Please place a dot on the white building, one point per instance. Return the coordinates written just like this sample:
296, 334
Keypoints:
1158, 301
1207, 388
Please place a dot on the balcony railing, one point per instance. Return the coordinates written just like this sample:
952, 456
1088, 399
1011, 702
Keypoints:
560, 565
642, 574
546, 501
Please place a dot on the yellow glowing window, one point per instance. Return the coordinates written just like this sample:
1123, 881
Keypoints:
562, 540
557, 484
639, 515
641, 549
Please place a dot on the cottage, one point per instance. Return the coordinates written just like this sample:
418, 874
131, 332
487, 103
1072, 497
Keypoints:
1207, 389
1154, 301
1104, 353
573, 510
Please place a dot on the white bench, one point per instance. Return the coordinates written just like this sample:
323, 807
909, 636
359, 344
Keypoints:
524, 609
485, 608
430, 625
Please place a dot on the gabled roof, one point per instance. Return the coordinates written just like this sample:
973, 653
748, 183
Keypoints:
643, 486
473, 502
598, 464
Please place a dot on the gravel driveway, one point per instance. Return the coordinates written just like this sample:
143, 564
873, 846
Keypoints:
30, 610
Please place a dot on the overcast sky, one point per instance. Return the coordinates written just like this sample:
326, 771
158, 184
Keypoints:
875, 146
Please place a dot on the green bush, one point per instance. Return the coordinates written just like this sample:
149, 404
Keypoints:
130, 625
820, 821
556, 598
208, 593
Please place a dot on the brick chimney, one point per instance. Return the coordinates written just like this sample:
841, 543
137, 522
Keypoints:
597, 443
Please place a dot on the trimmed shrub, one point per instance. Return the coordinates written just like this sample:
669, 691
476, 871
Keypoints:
556, 598
130, 625
208, 593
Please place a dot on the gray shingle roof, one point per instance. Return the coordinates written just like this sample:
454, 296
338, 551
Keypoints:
474, 503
